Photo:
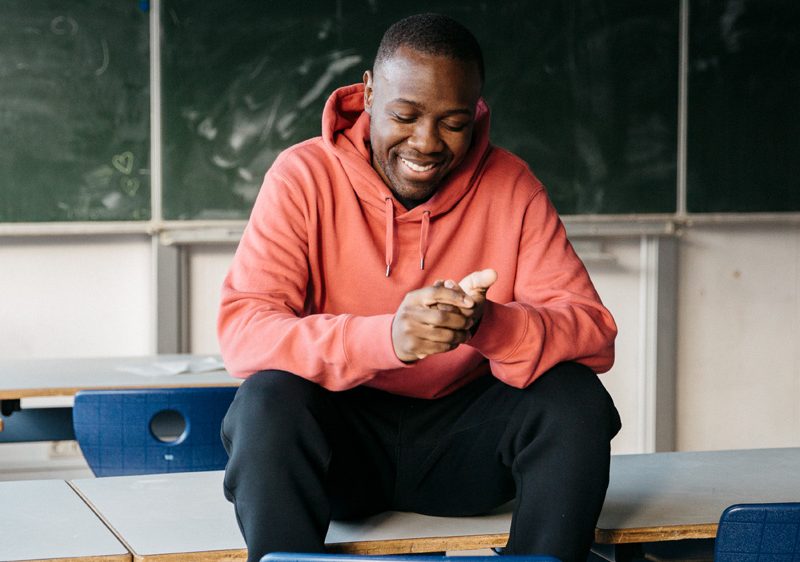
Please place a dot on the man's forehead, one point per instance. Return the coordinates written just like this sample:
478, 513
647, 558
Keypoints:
405, 58
407, 74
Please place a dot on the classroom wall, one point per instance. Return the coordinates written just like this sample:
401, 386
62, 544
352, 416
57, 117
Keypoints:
738, 316
738, 348
72, 296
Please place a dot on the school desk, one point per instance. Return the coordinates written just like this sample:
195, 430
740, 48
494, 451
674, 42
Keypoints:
670, 496
46, 519
36, 395
654, 497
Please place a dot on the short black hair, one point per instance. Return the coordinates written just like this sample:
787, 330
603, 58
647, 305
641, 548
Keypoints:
432, 34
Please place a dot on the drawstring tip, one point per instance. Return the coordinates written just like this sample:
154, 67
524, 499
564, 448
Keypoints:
388, 267
422, 263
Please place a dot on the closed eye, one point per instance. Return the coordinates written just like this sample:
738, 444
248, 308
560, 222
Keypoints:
455, 127
403, 118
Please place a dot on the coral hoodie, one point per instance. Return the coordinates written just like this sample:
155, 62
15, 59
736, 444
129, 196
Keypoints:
308, 290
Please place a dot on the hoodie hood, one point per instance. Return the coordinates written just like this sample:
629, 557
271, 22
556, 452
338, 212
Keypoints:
345, 132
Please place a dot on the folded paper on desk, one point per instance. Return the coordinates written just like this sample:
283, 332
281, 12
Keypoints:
169, 368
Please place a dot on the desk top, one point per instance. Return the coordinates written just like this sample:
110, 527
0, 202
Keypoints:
24, 378
661, 496
45, 519
666, 496
187, 512
163, 516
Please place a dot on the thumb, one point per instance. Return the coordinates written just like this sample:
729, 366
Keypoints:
478, 281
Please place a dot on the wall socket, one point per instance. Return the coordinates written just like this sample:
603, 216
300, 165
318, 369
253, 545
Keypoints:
64, 450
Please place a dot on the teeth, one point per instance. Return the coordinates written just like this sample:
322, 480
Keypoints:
417, 167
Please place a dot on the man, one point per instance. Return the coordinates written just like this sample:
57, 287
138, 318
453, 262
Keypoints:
374, 380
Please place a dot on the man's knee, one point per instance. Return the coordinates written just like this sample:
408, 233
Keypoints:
270, 399
280, 386
571, 395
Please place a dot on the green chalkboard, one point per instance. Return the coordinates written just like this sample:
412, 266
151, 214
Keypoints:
744, 106
584, 90
74, 110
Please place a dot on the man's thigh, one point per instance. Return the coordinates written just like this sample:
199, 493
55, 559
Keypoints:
449, 462
361, 473
457, 454
412, 454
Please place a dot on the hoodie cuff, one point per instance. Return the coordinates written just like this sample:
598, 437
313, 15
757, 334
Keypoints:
368, 343
502, 329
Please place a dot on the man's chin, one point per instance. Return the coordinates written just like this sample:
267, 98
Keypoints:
416, 196
410, 198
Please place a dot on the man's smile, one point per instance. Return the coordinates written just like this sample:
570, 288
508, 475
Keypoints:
418, 167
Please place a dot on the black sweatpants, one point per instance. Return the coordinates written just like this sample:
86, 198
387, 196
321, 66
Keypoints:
301, 455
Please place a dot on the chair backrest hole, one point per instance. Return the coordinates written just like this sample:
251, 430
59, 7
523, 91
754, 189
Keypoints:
168, 426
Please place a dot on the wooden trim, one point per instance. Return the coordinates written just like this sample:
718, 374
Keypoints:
105, 558
207, 556
16, 394
420, 545
654, 534
393, 546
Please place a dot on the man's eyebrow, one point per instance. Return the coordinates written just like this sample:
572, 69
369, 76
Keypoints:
457, 111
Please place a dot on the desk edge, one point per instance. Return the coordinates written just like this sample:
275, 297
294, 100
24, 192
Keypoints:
653, 534
19, 393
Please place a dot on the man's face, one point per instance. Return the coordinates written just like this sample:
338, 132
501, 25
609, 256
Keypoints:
422, 112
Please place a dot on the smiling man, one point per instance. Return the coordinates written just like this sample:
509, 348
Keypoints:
375, 381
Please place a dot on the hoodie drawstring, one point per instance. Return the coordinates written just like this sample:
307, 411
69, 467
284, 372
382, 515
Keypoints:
389, 234
423, 236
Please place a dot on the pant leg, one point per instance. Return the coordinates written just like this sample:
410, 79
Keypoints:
295, 459
558, 447
547, 444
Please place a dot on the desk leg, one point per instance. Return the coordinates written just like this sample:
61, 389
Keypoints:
8, 407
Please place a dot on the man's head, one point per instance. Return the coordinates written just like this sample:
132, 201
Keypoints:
421, 96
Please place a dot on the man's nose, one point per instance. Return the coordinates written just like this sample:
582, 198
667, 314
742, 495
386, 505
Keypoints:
425, 138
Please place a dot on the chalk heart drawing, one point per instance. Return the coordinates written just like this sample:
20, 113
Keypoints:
123, 162
129, 186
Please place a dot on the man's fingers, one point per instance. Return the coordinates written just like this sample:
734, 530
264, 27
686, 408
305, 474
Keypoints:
426, 340
432, 320
431, 296
478, 281
453, 319
432, 339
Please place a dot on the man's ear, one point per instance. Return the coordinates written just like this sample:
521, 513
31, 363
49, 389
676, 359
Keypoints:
368, 91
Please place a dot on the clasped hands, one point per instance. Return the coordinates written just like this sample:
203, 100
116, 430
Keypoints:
439, 318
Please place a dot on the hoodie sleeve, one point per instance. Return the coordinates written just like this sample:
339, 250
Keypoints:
262, 321
555, 315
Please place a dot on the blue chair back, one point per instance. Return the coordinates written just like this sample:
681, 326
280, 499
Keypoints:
295, 557
759, 533
123, 431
